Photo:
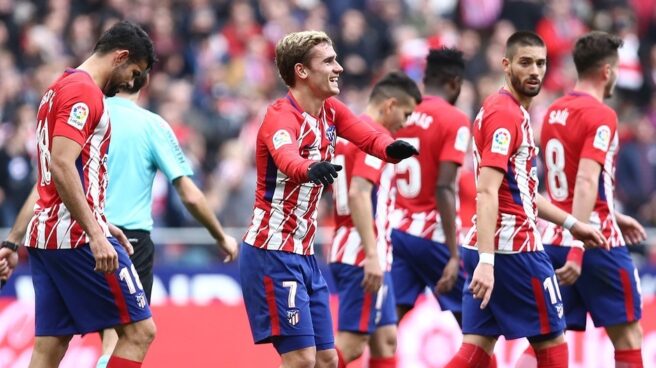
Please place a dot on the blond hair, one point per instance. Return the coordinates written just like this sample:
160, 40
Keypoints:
295, 48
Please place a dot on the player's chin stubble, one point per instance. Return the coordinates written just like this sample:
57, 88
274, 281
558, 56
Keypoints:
520, 88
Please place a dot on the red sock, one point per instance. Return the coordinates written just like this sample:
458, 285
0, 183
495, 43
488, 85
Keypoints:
553, 357
493, 361
340, 359
116, 362
628, 358
389, 362
469, 356
527, 359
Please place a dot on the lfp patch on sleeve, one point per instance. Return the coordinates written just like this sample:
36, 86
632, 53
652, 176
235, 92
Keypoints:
79, 115
281, 138
501, 141
602, 138
462, 139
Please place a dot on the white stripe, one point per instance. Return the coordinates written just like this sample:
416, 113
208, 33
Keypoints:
300, 213
96, 141
417, 223
276, 214
254, 229
41, 228
337, 240
506, 232
63, 226
352, 247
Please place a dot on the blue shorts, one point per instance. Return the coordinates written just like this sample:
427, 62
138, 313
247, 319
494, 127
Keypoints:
608, 288
525, 301
71, 298
418, 263
286, 297
362, 312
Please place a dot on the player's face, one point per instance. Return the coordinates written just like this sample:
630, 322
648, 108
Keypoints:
396, 112
612, 79
322, 72
526, 69
123, 76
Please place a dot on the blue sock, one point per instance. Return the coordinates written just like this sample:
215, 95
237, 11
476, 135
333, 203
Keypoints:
102, 361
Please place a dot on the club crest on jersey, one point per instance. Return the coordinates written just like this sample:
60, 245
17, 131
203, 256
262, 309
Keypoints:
501, 141
141, 300
293, 316
281, 138
331, 134
79, 115
602, 138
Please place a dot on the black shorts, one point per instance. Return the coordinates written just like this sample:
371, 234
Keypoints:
143, 257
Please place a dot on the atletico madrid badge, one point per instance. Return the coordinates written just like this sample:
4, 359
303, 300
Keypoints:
293, 316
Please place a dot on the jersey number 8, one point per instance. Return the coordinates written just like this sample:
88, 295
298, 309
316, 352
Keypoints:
556, 178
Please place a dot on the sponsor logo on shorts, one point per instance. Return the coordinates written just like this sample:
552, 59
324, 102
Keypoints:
293, 316
559, 310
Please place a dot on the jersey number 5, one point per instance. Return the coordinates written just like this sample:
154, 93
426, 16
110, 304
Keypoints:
410, 187
556, 178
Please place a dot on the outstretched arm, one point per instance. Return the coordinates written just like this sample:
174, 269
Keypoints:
196, 203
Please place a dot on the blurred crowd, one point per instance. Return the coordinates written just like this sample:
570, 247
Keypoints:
216, 74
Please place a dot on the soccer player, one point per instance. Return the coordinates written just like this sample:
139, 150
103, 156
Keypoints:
425, 242
580, 141
83, 279
144, 144
360, 256
504, 244
285, 294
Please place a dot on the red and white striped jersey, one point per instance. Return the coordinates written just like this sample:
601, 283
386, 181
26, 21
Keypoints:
73, 107
347, 244
288, 142
579, 126
441, 133
503, 139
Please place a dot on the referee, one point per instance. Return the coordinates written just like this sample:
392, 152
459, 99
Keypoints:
145, 144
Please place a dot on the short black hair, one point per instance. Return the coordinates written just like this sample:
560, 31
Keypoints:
138, 83
126, 35
522, 38
443, 65
594, 49
395, 84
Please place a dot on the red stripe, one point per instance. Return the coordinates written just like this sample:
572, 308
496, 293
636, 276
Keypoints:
628, 295
366, 312
542, 306
273, 308
119, 299
341, 246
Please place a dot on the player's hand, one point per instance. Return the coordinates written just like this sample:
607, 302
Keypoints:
482, 283
631, 229
8, 262
400, 149
373, 274
230, 247
323, 172
591, 237
569, 273
104, 254
449, 276
122, 239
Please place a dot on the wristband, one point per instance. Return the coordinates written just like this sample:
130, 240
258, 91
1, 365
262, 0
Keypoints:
10, 245
569, 222
575, 255
486, 258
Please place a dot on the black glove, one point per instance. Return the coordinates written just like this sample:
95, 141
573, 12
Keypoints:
400, 149
323, 172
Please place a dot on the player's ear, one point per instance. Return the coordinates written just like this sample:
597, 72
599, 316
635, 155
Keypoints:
300, 70
607, 71
121, 56
505, 62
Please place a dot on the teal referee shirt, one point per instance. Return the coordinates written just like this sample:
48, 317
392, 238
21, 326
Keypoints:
141, 143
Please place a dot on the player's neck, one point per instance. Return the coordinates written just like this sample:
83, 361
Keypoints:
435, 91
523, 100
307, 100
373, 112
592, 88
95, 67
